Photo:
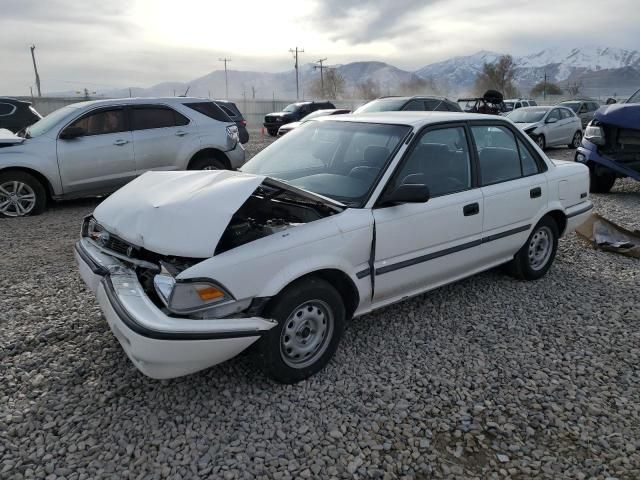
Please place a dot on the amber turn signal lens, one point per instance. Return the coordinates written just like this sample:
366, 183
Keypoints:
209, 293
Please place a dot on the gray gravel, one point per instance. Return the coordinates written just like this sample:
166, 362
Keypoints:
486, 378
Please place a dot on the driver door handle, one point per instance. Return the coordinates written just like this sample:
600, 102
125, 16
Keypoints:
181, 133
471, 209
121, 142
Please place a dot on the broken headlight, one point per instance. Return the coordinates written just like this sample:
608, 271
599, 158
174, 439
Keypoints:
595, 133
184, 297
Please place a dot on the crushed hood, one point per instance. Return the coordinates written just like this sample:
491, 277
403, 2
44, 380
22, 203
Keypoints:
177, 213
625, 115
524, 126
7, 137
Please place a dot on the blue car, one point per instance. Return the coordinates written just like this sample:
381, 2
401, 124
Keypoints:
611, 144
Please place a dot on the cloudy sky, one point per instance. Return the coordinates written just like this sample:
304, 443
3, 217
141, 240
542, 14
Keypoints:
101, 44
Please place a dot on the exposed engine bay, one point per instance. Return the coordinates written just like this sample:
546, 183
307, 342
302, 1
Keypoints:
269, 210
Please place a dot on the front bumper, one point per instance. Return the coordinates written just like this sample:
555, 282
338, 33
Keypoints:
587, 153
160, 346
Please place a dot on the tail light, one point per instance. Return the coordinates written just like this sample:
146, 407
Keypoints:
243, 123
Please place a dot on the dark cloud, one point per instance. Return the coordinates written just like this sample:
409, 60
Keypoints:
364, 21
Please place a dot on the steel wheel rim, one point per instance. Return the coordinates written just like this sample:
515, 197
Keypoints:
540, 142
209, 167
16, 199
577, 139
306, 334
540, 247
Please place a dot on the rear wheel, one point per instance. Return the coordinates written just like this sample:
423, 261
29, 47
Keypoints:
541, 142
535, 257
311, 318
207, 164
601, 181
576, 140
21, 194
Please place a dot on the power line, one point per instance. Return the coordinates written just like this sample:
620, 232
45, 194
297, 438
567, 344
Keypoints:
226, 80
321, 67
296, 52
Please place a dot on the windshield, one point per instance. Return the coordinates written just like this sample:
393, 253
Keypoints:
47, 123
339, 160
572, 105
387, 105
290, 108
524, 115
635, 98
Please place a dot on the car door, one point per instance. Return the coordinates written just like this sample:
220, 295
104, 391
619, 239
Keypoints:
161, 136
553, 127
422, 245
99, 158
514, 188
568, 125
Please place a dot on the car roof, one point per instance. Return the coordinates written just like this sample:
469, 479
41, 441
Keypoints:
141, 100
415, 119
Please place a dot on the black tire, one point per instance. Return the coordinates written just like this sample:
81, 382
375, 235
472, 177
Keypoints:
288, 307
207, 163
542, 143
576, 140
30, 182
272, 132
601, 182
523, 266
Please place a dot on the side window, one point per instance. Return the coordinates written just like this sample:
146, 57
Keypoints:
529, 165
533, 103
583, 108
210, 109
102, 122
593, 106
563, 113
228, 111
414, 106
6, 109
555, 113
497, 154
441, 157
518, 105
146, 118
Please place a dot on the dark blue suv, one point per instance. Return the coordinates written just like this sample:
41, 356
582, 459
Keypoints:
611, 144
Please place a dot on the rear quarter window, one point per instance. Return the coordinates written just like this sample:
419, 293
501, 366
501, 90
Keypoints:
211, 110
6, 109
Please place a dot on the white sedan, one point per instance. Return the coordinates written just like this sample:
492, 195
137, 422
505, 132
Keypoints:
341, 217
549, 126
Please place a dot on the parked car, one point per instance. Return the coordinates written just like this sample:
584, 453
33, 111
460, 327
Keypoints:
583, 108
549, 126
318, 113
512, 104
92, 148
234, 113
490, 103
348, 214
413, 104
292, 113
15, 115
611, 144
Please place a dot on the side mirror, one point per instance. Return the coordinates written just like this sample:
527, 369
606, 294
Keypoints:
72, 132
411, 190
551, 120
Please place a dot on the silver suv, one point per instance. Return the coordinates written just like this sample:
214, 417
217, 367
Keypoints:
92, 148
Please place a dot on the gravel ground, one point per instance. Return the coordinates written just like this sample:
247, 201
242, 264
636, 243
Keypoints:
486, 378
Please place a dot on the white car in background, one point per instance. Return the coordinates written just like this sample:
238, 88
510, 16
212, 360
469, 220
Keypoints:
340, 217
92, 148
549, 126
318, 113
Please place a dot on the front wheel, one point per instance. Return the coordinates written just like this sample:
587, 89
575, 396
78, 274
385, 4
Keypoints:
601, 182
21, 194
576, 140
311, 317
535, 257
541, 142
207, 164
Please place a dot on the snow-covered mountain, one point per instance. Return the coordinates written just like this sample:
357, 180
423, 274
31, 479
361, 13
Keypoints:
600, 71
561, 65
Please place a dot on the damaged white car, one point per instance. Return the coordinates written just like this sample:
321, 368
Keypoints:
340, 217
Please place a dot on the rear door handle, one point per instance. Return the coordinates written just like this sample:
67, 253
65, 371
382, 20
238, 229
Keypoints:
121, 142
535, 192
471, 209
181, 133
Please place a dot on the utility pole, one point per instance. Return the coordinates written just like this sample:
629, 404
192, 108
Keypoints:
544, 87
321, 67
35, 69
226, 81
253, 92
296, 52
